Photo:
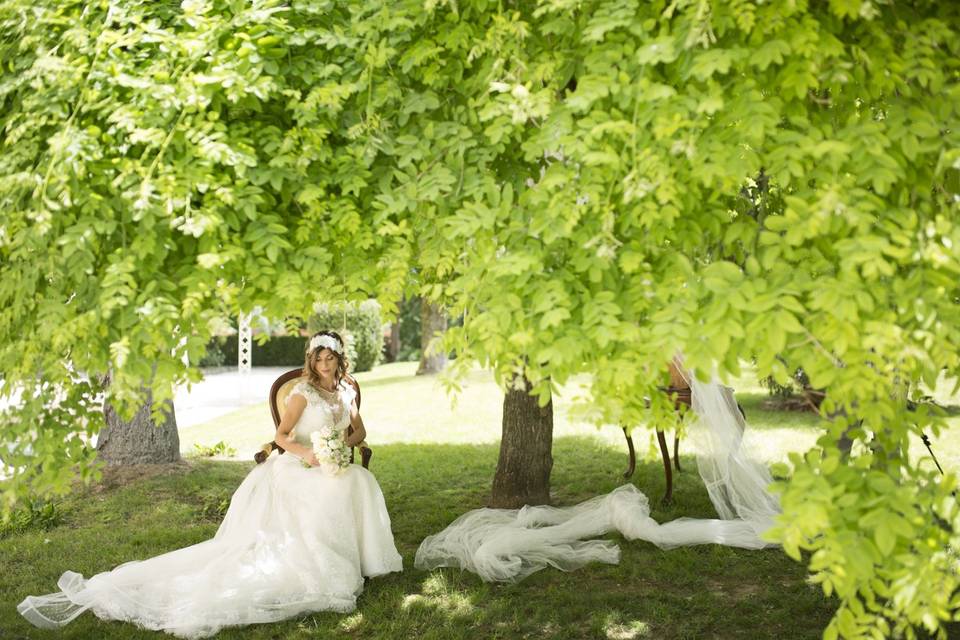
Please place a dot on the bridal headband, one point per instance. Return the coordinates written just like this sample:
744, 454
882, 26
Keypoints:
328, 342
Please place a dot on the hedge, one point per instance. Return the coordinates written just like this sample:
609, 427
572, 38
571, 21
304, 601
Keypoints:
278, 351
361, 328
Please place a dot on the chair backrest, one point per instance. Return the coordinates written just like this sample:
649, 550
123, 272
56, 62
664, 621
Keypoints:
283, 385
682, 395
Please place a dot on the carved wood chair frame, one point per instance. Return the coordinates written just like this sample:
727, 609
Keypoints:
365, 452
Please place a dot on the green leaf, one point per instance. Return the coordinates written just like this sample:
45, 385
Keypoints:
770, 52
885, 540
662, 49
710, 62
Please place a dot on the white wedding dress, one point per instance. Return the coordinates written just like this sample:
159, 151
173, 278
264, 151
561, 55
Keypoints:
294, 540
507, 545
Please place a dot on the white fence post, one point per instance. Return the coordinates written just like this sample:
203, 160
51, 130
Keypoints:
245, 345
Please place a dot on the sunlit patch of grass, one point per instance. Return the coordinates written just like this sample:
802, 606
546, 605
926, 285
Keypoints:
351, 623
438, 593
400, 407
614, 628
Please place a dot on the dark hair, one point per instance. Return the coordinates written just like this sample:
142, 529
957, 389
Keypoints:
311, 375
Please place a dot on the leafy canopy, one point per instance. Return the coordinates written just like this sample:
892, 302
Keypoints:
592, 185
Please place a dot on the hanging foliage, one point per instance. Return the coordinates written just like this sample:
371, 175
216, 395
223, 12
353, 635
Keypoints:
592, 185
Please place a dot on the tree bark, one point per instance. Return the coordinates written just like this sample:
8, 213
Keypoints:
139, 441
393, 342
523, 469
433, 322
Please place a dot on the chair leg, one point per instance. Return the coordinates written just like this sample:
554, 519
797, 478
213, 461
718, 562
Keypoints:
632, 463
667, 471
676, 452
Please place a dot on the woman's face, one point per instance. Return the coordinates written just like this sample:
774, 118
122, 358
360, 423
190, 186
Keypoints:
325, 363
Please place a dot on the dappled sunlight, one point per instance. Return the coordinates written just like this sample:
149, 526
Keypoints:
438, 594
351, 622
615, 629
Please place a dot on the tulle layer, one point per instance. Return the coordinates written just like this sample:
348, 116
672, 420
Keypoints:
503, 545
294, 540
507, 545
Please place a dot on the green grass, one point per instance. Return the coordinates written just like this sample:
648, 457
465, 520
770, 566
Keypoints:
399, 407
701, 592
434, 463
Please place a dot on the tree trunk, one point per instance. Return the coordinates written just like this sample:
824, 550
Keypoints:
139, 441
523, 469
393, 342
433, 322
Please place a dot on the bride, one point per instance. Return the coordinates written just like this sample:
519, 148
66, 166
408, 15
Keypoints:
300, 535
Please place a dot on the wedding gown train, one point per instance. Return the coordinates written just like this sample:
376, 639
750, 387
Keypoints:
294, 540
507, 545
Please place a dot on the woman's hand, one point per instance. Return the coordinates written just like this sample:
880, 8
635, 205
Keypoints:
312, 460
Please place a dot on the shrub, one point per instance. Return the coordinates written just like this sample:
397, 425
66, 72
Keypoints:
798, 384
219, 449
214, 357
280, 351
33, 514
361, 328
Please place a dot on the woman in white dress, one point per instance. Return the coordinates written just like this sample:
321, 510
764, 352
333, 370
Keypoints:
301, 533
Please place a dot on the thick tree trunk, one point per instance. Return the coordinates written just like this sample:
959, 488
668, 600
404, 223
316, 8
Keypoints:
139, 441
432, 322
523, 469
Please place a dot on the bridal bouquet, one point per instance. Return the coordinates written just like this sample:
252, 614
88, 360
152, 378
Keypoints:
331, 450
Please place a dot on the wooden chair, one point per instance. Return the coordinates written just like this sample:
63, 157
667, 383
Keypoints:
282, 387
682, 400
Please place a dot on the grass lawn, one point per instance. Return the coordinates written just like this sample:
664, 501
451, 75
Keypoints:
700, 592
434, 463
399, 407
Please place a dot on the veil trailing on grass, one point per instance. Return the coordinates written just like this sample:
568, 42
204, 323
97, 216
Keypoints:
737, 484
507, 545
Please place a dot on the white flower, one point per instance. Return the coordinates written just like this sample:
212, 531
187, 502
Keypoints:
330, 450
520, 92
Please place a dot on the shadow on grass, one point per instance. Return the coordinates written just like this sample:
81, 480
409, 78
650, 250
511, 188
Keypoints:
761, 417
696, 592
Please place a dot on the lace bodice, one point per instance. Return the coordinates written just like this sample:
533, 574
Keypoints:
325, 411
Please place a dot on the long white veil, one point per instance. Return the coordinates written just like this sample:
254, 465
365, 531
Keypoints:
737, 483
507, 545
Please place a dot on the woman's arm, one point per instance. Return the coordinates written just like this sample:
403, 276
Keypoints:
295, 406
359, 431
